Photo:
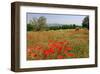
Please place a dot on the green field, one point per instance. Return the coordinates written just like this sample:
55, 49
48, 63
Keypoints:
57, 44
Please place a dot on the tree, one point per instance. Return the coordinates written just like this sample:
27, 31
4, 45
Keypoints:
29, 27
41, 23
74, 26
38, 24
85, 22
34, 23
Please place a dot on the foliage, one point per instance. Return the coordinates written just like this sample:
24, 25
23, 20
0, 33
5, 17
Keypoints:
37, 24
40, 24
29, 27
66, 26
60, 26
85, 23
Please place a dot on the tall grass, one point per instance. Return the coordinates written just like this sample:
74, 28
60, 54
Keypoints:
77, 41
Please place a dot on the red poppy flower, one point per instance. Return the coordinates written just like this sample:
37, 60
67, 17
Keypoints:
65, 52
33, 54
59, 49
37, 47
51, 45
46, 52
60, 57
51, 50
70, 54
68, 48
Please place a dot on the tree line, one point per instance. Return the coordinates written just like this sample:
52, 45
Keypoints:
40, 24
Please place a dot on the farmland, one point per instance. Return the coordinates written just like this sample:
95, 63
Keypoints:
57, 44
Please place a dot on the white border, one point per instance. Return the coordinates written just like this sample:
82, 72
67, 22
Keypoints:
50, 63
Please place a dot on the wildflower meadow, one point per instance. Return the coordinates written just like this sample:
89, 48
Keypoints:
59, 44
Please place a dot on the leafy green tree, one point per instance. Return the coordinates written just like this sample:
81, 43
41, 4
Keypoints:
41, 23
29, 27
34, 22
38, 24
74, 26
85, 22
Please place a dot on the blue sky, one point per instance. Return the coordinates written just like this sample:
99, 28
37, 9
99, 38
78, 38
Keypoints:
59, 19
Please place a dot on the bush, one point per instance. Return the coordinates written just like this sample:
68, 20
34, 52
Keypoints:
85, 23
29, 27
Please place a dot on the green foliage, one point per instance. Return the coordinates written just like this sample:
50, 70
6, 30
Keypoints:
37, 24
29, 27
40, 24
85, 23
45, 27
63, 27
74, 26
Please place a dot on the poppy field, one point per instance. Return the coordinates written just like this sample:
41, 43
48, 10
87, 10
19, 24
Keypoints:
57, 44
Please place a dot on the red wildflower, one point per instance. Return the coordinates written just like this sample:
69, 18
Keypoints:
60, 57
59, 49
61, 42
70, 54
65, 52
30, 48
54, 45
68, 48
57, 45
33, 54
51, 45
51, 50
37, 47
46, 52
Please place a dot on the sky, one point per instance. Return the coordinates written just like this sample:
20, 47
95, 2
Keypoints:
58, 18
